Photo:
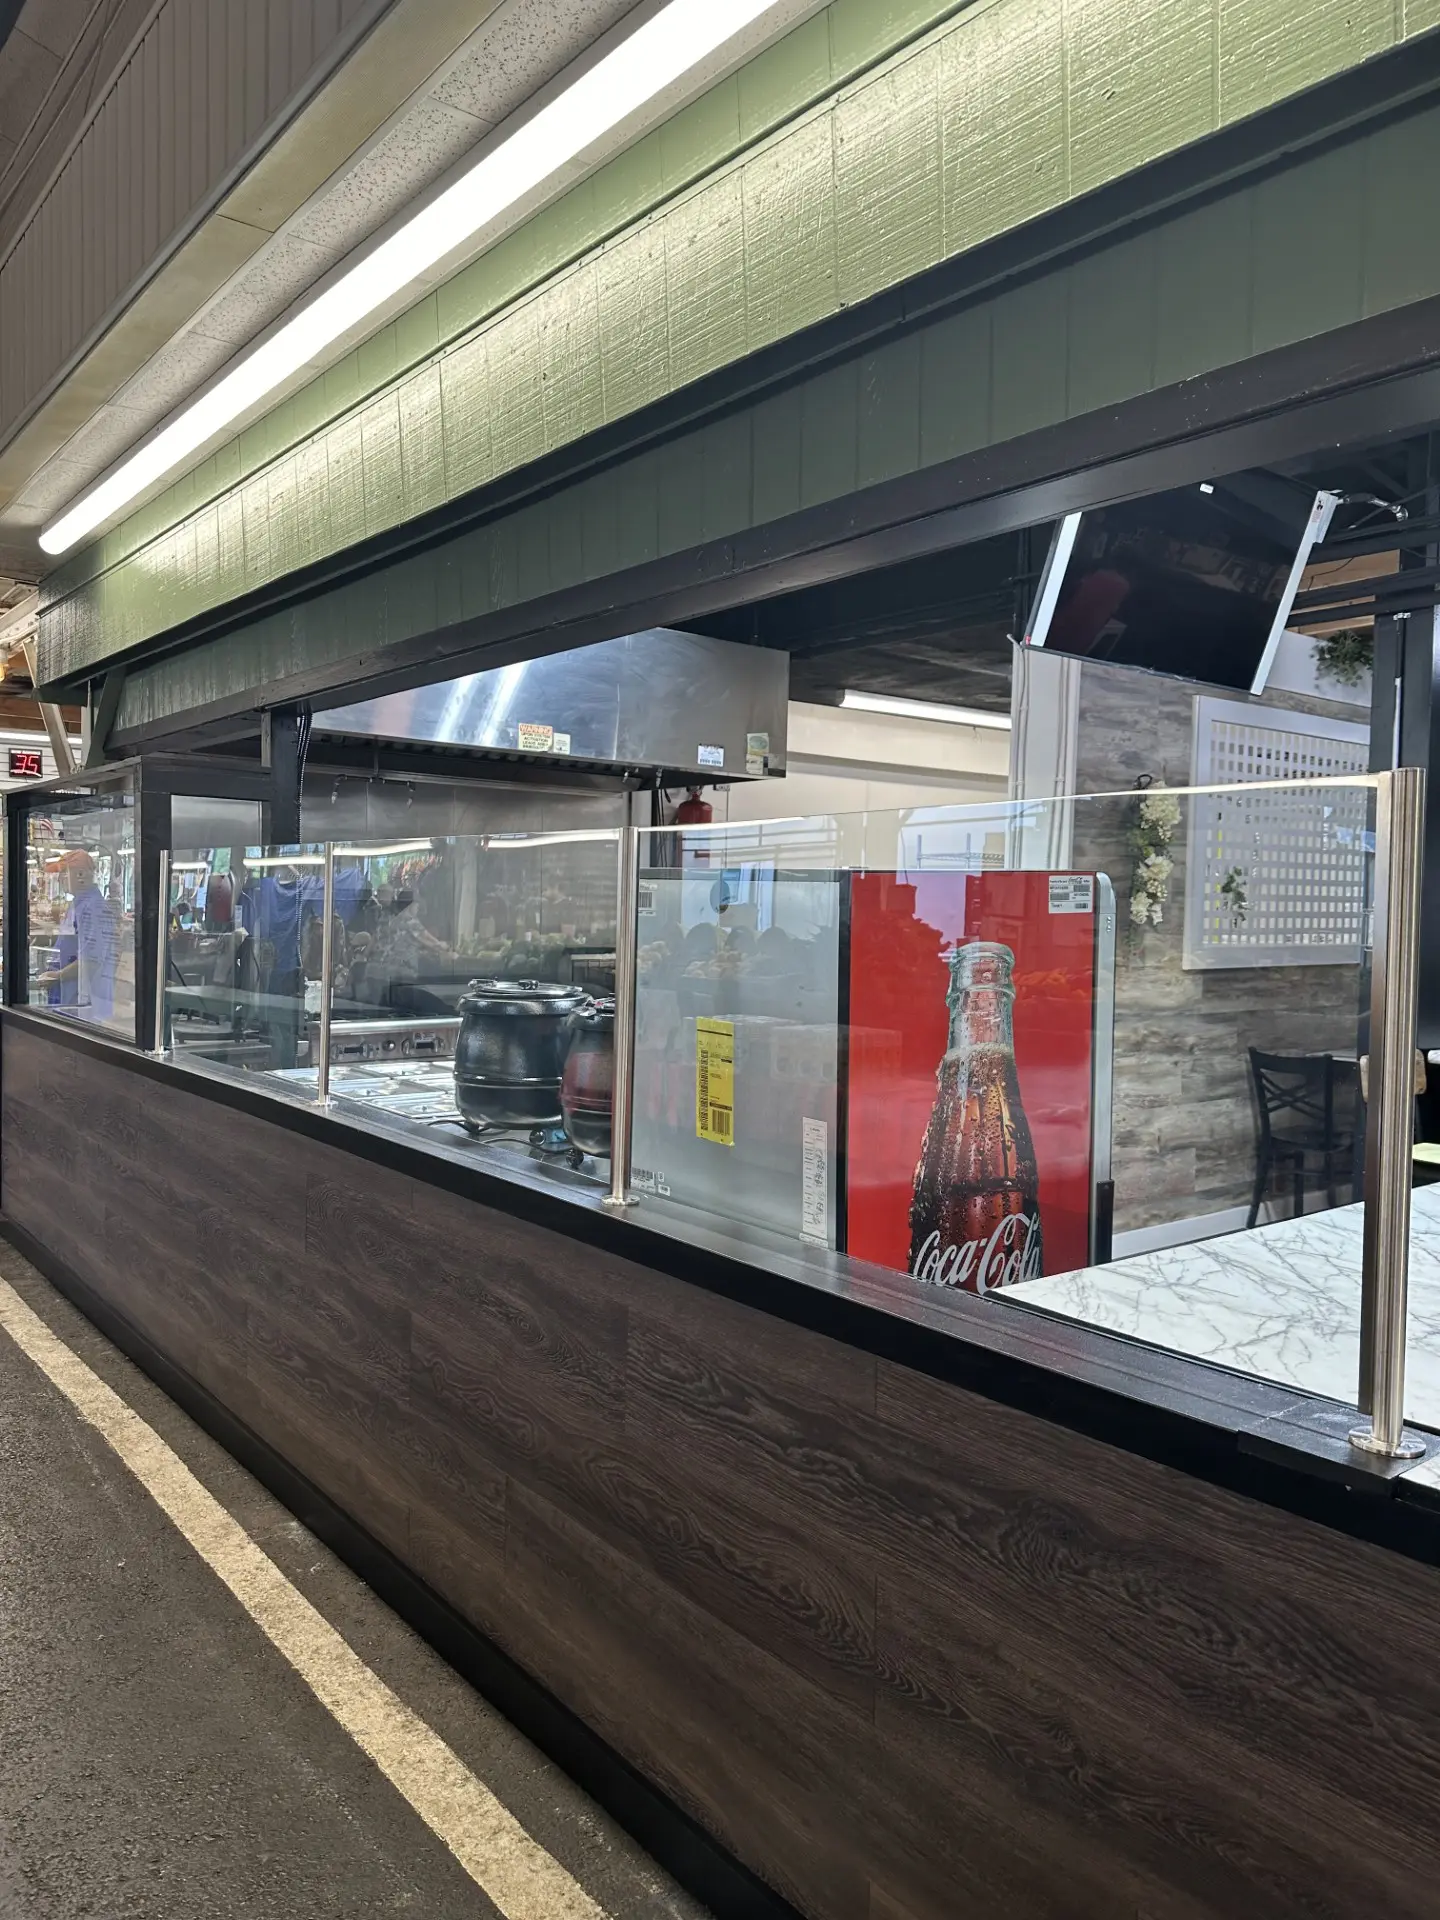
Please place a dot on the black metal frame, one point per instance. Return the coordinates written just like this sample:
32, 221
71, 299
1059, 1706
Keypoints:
154, 780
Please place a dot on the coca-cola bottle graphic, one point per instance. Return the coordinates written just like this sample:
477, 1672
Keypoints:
975, 1214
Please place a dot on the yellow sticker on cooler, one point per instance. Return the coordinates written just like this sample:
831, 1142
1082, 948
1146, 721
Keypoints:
715, 1081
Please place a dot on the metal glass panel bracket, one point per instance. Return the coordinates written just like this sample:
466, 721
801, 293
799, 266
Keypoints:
627, 949
162, 954
1389, 1117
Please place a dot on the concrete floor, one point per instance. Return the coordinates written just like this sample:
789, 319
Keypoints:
160, 1760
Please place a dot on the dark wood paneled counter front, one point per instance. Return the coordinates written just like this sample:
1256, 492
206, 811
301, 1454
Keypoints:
910, 1654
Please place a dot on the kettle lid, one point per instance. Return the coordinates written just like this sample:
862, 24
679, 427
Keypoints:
539, 996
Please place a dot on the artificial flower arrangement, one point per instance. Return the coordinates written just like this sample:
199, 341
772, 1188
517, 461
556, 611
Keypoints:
1155, 820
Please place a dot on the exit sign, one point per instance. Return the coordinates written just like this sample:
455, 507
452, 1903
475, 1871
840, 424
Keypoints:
26, 763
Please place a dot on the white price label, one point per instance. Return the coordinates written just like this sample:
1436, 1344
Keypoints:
815, 1183
1072, 893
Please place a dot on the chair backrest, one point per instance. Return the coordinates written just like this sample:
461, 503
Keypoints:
1303, 1087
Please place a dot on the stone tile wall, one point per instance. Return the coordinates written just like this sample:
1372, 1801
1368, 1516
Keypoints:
1185, 1126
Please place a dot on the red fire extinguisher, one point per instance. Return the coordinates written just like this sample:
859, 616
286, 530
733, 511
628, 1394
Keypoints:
693, 811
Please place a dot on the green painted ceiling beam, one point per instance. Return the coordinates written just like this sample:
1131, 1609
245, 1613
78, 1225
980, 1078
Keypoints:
808, 192
1211, 287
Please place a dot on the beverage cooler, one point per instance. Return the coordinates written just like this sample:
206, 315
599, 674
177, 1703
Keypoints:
913, 1069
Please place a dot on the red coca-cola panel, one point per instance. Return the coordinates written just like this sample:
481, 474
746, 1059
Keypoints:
902, 933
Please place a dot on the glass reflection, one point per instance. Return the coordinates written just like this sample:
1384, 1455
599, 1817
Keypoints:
80, 959
470, 991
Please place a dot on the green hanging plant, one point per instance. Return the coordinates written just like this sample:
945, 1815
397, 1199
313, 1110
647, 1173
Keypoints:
1346, 657
1233, 893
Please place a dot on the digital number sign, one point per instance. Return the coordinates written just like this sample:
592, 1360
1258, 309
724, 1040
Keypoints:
26, 763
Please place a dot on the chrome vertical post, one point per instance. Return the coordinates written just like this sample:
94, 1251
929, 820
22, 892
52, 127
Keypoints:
162, 953
1389, 1115
627, 946
327, 972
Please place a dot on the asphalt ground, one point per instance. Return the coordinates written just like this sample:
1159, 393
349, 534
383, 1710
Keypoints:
162, 1759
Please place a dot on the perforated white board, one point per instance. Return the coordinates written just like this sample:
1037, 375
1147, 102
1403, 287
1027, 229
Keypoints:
1303, 858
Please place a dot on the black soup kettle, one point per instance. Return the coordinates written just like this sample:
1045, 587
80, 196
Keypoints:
510, 1051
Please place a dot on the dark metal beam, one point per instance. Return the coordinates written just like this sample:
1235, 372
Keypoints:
1388, 537
106, 705
282, 753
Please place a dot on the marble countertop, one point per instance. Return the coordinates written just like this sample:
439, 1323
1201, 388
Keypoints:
1281, 1302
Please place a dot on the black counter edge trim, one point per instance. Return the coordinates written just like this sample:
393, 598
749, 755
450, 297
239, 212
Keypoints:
693, 1857
1157, 1414
1388, 86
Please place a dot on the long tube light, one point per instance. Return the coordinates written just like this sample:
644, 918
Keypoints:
18, 737
505, 842
667, 47
385, 852
922, 709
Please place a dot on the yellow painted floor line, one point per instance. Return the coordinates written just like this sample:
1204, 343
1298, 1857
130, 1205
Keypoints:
512, 1869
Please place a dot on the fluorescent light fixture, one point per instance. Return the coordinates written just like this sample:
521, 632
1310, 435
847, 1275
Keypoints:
1205, 487
285, 860
17, 737
668, 46
503, 842
923, 710
382, 853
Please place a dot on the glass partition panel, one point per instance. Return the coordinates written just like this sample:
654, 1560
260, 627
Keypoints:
1422, 1374
1093, 1058
473, 1003
1096, 1058
739, 1026
242, 961
80, 896
470, 1002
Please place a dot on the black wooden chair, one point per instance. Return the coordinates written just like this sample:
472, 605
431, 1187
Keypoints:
1307, 1106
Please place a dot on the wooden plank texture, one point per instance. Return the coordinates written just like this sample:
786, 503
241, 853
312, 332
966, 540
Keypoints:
909, 1653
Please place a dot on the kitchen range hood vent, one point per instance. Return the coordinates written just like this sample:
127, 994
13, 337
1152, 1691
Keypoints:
678, 703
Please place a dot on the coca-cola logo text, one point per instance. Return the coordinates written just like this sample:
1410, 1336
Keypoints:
1010, 1255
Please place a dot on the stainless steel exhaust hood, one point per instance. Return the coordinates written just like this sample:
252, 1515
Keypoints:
676, 702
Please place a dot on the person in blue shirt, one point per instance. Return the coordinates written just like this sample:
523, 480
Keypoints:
273, 909
83, 981
269, 911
